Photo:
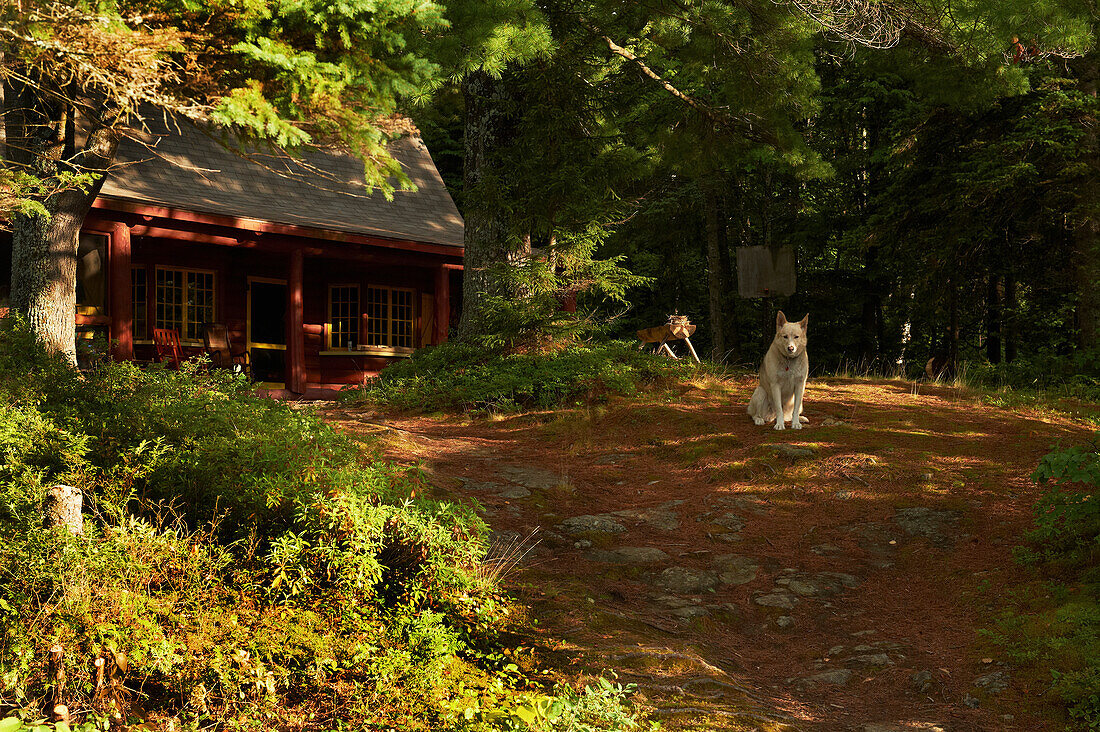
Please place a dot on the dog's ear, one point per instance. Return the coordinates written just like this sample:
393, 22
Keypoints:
780, 320
804, 322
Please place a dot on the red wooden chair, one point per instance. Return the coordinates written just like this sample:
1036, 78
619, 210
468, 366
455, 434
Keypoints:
167, 343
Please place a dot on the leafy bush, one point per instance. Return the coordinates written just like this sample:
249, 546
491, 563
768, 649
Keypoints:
460, 376
1075, 376
1058, 627
241, 563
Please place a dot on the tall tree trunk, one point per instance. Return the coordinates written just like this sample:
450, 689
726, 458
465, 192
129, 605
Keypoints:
953, 326
1008, 319
872, 304
487, 239
730, 297
41, 137
715, 284
993, 295
1086, 231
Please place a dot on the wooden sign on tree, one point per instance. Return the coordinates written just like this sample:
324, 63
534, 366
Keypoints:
764, 271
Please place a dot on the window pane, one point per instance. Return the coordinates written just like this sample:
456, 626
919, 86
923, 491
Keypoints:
402, 325
169, 299
378, 330
138, 296
91, 273
344, 316
200, 303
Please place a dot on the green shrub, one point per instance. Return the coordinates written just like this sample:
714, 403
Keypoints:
1074, 376
245, 563
461, 376
1057, 627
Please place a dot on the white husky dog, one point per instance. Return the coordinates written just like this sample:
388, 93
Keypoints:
783, 377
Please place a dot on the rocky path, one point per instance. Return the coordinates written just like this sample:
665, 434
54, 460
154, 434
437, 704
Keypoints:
832, 578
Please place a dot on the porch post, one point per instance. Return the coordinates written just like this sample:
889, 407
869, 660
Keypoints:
442, 302
295, 323
121, 295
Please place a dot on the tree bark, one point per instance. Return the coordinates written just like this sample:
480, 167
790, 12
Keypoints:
715, 281
993, 318
730, 296
1086, 230
953, 326
872, 303
44, 246
1008, 319
488, 237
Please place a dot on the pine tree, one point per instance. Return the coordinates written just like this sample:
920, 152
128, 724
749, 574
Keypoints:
78, 75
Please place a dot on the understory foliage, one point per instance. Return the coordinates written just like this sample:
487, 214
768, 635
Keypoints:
463, 376
241, 563
1056, 627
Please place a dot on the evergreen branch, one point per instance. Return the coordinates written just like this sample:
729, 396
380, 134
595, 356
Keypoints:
743, 125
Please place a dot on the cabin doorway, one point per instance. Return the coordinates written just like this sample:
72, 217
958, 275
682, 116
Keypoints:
267, 330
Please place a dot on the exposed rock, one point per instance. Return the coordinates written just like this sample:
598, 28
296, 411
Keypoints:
729, 520
824, 550
659, 517
745, 502
793, 452
933, 524
628, 555
582, 544
922, 681
729, 538
784, 621
993, 683
870, 659
689, 612
818, 584
781, 600
970, 702
686, 581
598, 523
836, 677
906, 727
473, 485
875, 539
515, 492
831, 422
610, 459
533, 478
734, 569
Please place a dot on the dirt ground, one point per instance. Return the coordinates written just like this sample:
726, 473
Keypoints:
832, 578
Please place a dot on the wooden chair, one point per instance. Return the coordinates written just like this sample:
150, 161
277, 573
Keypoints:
167, 343
215, 337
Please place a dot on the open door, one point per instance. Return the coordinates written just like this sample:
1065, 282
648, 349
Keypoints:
267, 330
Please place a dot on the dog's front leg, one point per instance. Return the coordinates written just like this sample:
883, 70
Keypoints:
777, 402
796, 413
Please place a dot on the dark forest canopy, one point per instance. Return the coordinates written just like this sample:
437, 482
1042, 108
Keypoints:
936, 178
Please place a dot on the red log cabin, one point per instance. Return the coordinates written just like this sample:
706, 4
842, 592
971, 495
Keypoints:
323, 284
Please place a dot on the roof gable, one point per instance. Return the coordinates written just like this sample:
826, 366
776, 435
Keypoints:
189, 169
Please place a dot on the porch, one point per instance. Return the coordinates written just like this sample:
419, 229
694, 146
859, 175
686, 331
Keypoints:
316, 309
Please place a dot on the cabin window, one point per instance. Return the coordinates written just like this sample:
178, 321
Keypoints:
185, 300
390, 317
343, 317
139, 295
91, 275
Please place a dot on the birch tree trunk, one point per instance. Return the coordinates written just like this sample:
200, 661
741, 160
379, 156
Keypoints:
41, 138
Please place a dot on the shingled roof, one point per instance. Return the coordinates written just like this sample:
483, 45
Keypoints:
186, 168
